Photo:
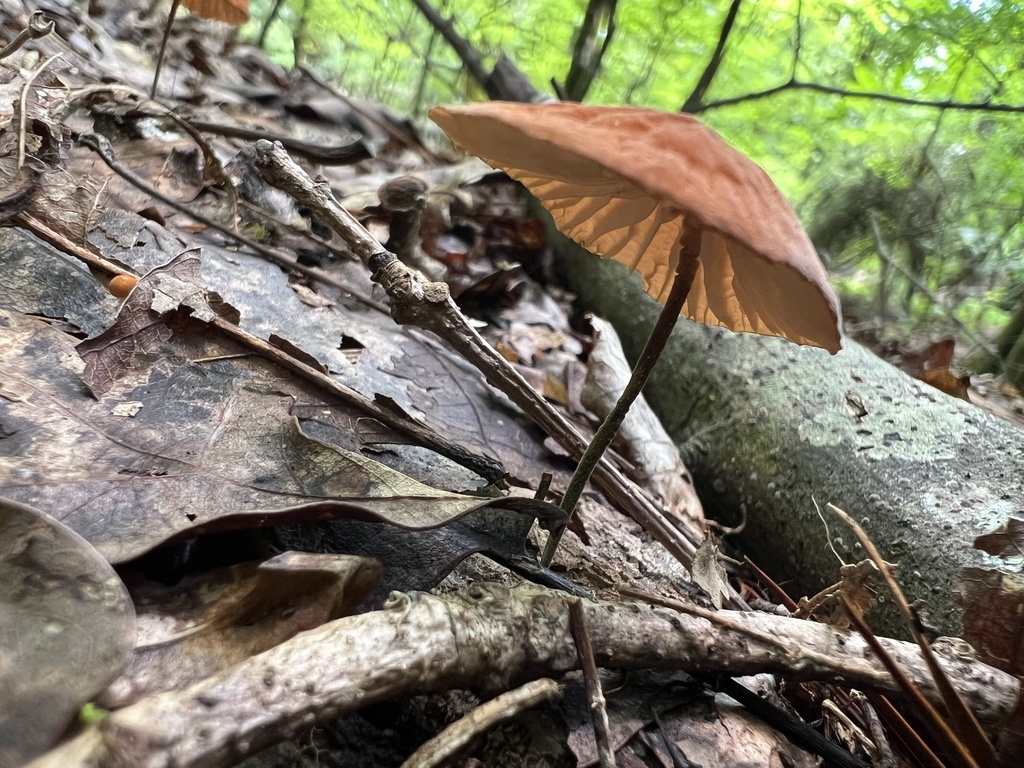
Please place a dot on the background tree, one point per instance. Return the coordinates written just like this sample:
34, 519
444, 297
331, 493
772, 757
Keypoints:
895, 127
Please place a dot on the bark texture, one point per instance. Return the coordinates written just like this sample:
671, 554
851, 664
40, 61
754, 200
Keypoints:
769, 427
488, 639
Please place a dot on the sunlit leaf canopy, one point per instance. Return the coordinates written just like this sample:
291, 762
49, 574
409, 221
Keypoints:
945, 186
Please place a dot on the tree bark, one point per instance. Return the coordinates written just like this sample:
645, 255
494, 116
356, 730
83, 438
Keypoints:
592, 40
778, 428
487, 639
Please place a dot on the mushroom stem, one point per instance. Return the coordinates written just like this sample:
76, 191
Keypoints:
686, 270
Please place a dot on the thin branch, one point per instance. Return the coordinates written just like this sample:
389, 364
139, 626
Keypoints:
794, 84
38, 26
975, 741
885, 757
483, 466
447, 744
429, 306
695, 100
924, 709
799, 41
488, 638
887, 260
469, 55
598, 708
271, 18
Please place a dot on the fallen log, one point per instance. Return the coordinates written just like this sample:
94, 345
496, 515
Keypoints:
772, 431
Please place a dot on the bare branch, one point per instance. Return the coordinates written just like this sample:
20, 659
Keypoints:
488, 639
444, 746
794, 84
469, 55
505, 81
696, 99
429, 306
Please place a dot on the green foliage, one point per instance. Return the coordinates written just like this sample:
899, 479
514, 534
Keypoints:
945, 187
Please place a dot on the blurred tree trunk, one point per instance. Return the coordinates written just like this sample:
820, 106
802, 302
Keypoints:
592, 40
772, 429
1007, 357
1010, 347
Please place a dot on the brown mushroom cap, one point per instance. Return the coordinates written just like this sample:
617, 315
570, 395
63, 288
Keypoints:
621, 181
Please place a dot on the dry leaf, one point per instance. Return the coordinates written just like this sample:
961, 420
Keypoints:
67, 627
708, 573
214, 619
231, 11
209, 450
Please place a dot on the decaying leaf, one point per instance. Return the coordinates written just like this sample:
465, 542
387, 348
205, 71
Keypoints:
993, 600
426, 381
67, 627
37, 279
708, 573
166, 297
455, 401
420, 559
208, 450
212, 620
1007, 541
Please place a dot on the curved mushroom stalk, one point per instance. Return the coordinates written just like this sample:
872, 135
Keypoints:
708, 230
686, 270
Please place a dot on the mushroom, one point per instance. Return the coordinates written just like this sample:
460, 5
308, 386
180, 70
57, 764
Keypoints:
663, 194
233, 12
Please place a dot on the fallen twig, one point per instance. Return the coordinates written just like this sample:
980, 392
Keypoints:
38, 26
885, 758
459, 734
971, 741
488, 638
429, 306
595, 696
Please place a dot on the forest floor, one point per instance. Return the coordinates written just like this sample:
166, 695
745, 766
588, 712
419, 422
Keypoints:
255, 365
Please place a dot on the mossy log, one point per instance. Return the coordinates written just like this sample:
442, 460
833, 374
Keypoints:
775, 431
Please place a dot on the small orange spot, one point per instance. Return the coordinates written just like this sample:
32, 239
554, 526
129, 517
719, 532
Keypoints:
122, 285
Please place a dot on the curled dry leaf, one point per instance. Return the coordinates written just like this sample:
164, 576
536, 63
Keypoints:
708, 573
209, 621
828, 605
67, 627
